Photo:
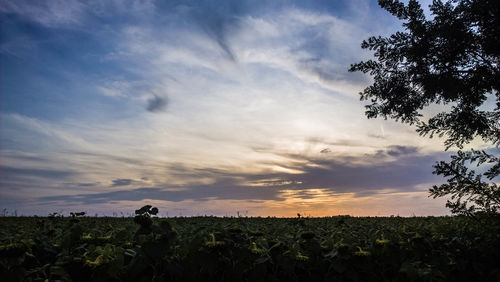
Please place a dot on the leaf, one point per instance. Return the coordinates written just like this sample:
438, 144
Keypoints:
154, 211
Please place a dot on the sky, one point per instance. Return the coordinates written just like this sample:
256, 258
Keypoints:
201, 108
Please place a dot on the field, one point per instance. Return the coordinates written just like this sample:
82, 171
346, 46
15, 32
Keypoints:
338, 248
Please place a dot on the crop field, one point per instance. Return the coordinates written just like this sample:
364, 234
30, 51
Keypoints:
341, 248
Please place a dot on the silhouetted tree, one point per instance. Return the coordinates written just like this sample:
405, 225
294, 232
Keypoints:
451, 59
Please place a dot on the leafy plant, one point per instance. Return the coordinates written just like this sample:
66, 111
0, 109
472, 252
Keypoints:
250, 249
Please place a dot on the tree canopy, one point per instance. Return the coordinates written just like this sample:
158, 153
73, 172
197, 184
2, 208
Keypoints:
450, 59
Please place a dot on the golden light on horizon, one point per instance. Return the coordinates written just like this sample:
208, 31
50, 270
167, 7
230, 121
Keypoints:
307, 202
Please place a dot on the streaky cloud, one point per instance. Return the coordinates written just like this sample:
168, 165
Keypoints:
18, 172
216, 21
397, 150
337, 175
121, 182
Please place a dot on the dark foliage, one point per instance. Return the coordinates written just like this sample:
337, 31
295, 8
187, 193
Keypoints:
469, 193
251, 249
452, 59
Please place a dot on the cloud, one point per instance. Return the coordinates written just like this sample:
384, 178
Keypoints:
23, 156
121, 182
77, 14
20, 173
201, 193
333, 176
116, 88
157, 104
87, 184
397, 150
314, 46
51, 13
218, 21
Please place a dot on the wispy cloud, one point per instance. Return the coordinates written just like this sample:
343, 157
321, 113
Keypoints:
14, 172
121, 182
51, 13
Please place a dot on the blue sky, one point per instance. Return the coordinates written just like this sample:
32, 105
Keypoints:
201, 107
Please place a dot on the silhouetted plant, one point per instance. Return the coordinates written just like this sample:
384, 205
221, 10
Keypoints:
143, 217
454, 59
154, 241
76, 214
